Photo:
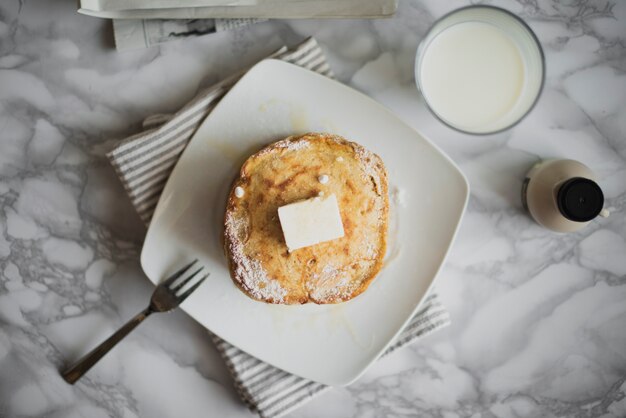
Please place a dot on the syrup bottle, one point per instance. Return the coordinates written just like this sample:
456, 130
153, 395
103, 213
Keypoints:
562, 195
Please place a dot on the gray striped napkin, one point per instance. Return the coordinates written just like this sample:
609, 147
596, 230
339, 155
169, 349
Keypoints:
144, 162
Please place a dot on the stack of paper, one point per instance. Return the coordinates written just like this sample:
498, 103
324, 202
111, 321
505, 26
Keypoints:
143, 23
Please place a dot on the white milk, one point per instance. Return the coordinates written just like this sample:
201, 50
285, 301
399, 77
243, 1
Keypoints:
472, 76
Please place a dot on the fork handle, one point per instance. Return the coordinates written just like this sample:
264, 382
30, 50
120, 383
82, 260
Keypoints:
81, 367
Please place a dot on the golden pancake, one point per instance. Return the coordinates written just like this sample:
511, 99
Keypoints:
288, 171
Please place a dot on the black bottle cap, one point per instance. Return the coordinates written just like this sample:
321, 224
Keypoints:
580, 199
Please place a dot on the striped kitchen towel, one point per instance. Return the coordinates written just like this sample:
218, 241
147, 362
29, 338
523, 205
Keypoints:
144, 162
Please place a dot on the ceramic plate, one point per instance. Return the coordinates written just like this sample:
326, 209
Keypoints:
332, 344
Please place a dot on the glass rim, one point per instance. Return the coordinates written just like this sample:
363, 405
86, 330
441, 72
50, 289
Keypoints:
525, 26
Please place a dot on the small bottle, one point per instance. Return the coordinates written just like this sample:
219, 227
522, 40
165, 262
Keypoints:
562, 195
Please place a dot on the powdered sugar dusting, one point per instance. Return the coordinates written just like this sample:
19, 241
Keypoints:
249, 271
287, 144
290, 145
368, 164
371, 250
331, 284
370, 171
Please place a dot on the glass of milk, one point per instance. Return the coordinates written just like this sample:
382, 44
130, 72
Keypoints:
480, 69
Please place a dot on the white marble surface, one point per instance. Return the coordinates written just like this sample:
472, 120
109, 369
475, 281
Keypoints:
539, 320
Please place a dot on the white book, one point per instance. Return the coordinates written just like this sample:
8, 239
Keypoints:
263, 9
117, 5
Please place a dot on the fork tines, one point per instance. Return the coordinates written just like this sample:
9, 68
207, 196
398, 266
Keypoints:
176, 282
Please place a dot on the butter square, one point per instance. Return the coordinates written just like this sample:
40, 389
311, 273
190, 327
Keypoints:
310, 222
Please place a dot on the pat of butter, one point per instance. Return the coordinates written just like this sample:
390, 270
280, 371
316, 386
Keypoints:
310, 222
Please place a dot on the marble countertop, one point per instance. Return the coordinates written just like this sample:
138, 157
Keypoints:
539, 319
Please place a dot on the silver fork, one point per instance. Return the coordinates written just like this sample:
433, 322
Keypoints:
168, 295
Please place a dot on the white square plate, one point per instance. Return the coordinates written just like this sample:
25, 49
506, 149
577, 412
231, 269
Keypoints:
332, 344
